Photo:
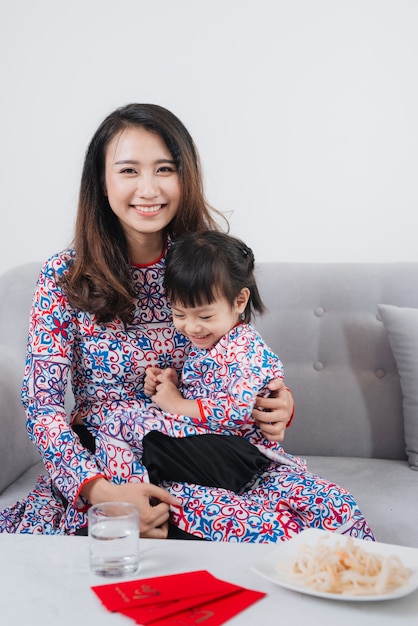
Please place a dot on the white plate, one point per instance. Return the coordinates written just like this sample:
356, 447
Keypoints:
285, 553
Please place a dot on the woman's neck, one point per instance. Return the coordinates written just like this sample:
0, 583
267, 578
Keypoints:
144, 249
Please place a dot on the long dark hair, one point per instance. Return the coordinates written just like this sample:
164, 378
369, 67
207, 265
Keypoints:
98, 279
200, 267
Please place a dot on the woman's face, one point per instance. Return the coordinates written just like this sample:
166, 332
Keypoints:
141, 182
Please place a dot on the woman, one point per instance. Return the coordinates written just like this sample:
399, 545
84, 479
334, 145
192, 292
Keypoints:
100, 314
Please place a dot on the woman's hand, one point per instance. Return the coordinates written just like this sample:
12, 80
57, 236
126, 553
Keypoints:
154, 508
153, 503
273, 414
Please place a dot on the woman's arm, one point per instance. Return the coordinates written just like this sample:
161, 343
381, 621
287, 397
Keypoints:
52, 331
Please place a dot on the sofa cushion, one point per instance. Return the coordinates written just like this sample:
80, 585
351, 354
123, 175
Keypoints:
401, 324
382, 488
17, 453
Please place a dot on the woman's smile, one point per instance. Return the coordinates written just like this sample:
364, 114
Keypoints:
148, 210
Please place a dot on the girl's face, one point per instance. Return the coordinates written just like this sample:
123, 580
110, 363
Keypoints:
141, 182
205, 325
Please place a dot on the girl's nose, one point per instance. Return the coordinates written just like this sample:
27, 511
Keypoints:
193, 327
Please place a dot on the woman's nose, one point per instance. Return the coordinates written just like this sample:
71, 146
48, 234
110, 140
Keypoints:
147, 186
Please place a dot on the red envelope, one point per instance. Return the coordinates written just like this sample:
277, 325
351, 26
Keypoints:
178, 599
215, 613
211, 613
161, 589
156, 612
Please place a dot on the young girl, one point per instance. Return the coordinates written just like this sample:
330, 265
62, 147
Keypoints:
210, 282
209, 279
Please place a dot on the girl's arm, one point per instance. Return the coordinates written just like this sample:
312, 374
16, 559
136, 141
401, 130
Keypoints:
248, 365
168, 397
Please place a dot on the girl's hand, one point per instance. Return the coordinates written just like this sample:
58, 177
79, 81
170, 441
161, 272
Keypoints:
273, 414
167, 396
169, 373
151, 380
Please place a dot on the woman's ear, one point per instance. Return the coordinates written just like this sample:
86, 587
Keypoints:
241, 300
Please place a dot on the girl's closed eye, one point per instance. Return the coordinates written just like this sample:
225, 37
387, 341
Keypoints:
178, 316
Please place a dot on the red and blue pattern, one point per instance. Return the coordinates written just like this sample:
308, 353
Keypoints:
106, 363
225, 380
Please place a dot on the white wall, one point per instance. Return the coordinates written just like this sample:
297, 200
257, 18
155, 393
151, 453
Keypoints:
305, 113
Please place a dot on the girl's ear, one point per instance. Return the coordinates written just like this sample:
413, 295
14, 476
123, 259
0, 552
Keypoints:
241, 300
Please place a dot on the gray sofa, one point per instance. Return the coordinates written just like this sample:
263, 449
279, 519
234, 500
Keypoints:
352, 366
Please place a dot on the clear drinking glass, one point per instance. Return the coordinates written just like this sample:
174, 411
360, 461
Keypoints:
114, 538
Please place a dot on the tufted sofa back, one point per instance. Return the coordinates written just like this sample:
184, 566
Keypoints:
323, 321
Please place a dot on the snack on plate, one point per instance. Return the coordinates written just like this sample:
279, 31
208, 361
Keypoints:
347, 568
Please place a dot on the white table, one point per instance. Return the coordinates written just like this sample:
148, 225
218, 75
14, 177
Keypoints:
45, 581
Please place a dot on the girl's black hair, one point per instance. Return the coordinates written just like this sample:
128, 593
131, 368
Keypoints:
200, 267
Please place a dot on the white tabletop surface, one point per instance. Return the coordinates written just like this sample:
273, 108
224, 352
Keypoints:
45, 580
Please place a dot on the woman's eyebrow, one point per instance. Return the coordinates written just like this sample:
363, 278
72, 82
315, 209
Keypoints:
135, 162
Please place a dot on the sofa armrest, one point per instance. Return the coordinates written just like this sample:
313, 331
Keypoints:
17, 453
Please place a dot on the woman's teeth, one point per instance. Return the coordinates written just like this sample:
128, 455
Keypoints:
148, 209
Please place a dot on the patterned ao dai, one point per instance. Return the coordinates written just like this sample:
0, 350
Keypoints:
107, 363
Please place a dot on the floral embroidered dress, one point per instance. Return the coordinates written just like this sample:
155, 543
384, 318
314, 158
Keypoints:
225, 380
106, 363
